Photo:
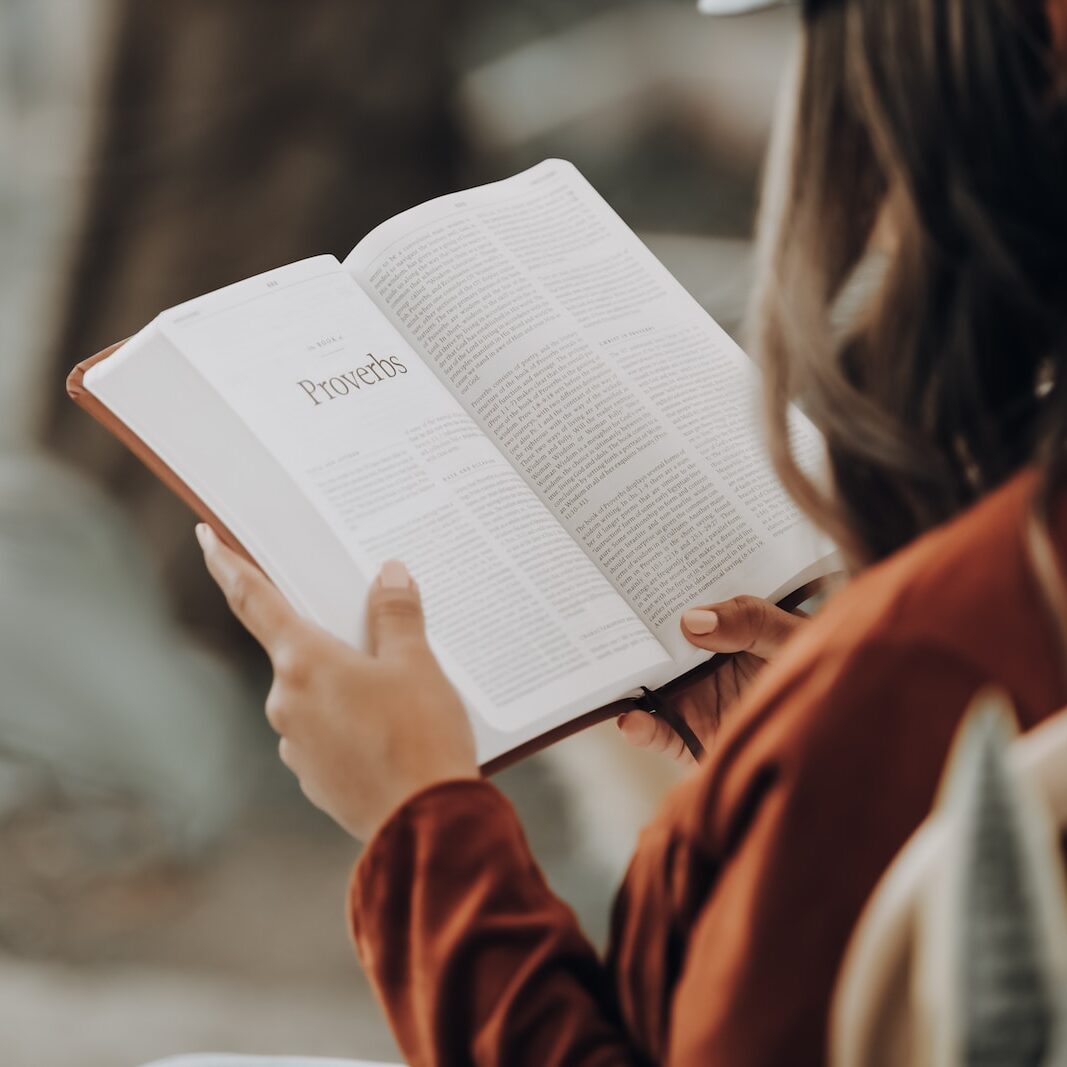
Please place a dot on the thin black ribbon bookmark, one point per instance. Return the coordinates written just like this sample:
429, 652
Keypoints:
650, 703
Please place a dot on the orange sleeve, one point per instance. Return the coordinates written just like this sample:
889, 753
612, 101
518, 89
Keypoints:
777, 847
473, 957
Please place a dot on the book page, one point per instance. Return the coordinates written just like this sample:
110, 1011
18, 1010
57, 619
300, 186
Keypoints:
618, 398
527, 628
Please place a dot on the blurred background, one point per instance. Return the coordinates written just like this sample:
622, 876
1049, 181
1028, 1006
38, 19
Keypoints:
163, 885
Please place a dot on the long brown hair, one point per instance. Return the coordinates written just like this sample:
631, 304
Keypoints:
950, 118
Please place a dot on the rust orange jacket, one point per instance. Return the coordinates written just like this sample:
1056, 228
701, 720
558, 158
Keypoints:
732, 920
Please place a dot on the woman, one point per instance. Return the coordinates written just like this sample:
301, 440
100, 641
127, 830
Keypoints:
936, 130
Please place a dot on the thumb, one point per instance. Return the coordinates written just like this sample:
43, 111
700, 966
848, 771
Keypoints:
395, 624
743, 624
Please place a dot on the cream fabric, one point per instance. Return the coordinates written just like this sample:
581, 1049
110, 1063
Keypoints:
960, 958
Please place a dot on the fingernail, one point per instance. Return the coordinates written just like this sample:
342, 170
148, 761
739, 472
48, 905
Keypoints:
394, 575
205, 535
700, 621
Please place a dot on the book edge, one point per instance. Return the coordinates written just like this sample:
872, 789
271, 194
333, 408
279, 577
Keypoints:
105, 417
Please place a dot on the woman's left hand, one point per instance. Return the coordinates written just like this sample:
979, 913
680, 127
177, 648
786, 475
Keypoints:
747, 631
362, 731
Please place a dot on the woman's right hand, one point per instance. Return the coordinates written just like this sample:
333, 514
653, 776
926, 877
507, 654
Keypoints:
750, 631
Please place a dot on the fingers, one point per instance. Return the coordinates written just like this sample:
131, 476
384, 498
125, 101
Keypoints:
251, 596
643, 730
290, 756
286, 753
395, 624
744, 624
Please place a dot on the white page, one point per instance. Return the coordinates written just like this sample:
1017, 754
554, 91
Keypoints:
626, 408
224, 1059
229, 1060
525, 625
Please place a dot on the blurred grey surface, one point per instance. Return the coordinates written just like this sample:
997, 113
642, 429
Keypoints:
163, 886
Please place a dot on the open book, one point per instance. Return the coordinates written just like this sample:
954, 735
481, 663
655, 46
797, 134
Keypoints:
505, 389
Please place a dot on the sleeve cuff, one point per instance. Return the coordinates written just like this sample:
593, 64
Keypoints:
455, 806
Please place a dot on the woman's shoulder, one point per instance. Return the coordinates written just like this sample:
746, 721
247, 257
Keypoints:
957, 586
962, 599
